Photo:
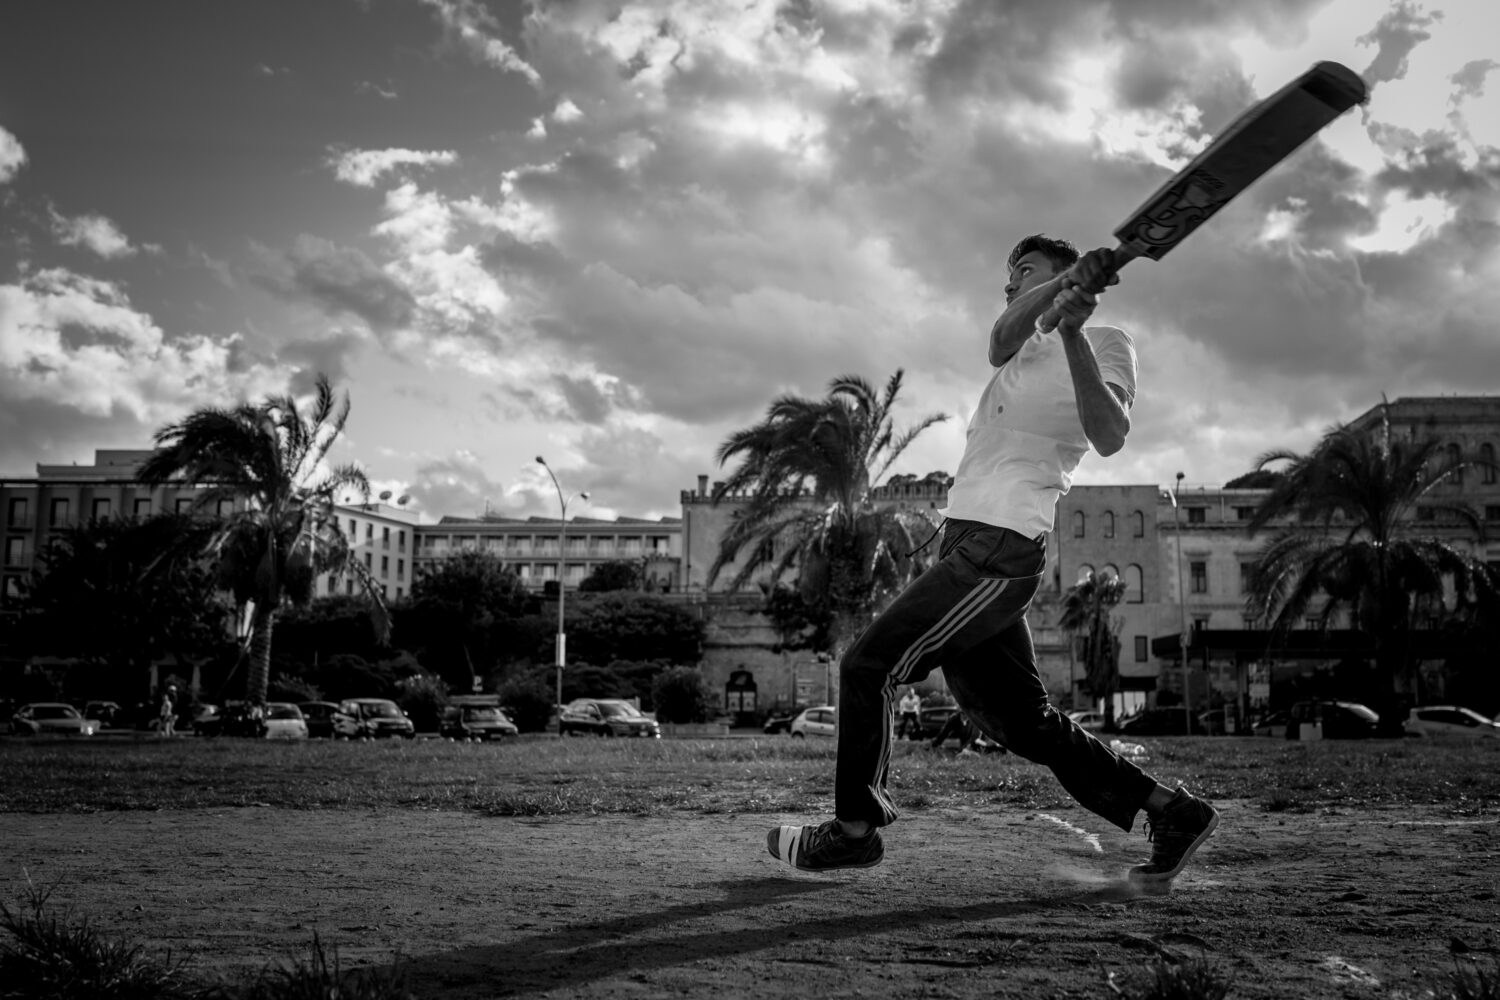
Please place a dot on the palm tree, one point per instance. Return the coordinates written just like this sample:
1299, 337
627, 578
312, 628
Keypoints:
1352, 548
270, 552
1086, 613
807, 472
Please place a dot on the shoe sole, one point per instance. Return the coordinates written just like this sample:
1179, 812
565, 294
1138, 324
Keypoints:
773, 841
1153, 877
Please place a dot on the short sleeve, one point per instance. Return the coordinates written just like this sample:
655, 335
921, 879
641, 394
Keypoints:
1115, 352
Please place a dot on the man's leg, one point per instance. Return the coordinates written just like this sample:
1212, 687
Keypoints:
982, 583
998, 684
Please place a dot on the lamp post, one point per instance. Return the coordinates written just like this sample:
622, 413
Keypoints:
562, 587
1182, 640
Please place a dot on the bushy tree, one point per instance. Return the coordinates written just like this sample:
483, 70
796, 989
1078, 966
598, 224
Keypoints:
1086, 615
681, 695
462, 614
527, 700
638, 627
423, 697
617, 574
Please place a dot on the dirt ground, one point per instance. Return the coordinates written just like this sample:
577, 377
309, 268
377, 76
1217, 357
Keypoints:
968, 904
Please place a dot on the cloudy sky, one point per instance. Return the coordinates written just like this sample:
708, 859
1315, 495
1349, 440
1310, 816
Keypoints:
610, 233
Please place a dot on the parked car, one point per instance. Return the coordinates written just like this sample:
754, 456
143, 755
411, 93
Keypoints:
284, 721
319, 718
934, 718
1331, 720
108, 713
476, 722
1215, 721
605, 717
371, 718
43, 717
819, 721
1159, 722
1090, 720
780, 722
1273, 724
1450, 720
235, 718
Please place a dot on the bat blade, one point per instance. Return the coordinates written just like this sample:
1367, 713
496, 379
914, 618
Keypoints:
1252, 144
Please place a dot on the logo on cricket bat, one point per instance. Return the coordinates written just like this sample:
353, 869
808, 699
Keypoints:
1180, 209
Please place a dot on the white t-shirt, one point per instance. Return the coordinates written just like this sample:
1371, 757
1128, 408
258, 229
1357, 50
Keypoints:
1025, 438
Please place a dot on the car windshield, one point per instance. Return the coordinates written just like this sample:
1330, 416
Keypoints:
54, 712
1364, 713
382, 710
619, 709
482, 714
284, 712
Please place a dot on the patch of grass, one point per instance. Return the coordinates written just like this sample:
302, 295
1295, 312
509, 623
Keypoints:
46, 955
1165, 979
1471, 980
316, 977
550, 777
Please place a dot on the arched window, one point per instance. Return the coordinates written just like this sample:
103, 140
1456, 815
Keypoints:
1109, 524
1078, 524
1135, 586
1084, 572
1455, 456
1110, 571
1487, 457
1140, 524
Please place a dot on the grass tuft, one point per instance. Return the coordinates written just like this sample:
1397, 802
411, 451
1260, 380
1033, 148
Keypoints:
319, 976
1189, 979
1472, 981
49, 955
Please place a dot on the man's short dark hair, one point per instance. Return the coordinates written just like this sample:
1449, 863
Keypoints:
1060, 252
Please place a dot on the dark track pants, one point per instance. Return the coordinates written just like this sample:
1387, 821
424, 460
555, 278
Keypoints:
967, 614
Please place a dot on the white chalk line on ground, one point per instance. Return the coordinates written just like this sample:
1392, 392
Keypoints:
1092, 839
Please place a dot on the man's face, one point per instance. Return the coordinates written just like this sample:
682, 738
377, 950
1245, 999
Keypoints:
1031, 270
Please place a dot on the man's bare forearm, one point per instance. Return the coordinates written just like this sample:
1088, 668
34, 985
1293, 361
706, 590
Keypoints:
1105, 420
1018, 322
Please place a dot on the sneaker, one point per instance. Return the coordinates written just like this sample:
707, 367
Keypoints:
1183, 825
824, 847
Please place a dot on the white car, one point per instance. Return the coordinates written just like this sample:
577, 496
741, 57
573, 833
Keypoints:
1092, 721
819, 721
284, 721
1450, 720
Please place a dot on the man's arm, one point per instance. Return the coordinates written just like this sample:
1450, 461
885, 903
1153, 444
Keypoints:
1016, 325
1102, 408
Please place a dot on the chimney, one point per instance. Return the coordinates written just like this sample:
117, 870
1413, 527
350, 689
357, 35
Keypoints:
703, 486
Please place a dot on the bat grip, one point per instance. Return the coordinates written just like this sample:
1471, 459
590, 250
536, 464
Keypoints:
1049, 319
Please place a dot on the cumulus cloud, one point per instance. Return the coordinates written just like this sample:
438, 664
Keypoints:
457, 484
1469, 81
92, 232
78, 358
476, 30
1397, 33
364, 167
12, 156
337, 279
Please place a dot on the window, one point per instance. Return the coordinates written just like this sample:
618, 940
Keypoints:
401, 539
1487, 471
1109, 524
349, 586
353, 529
184, 505
15, 552
1140, 524
226, 507
398, 593
143, 508
385, 565
1311, 623
1078, 524
1455, 457
61, 513
1141, 650
20, 513
1492, 512
369, 561
1247, 574
1244, 513
369, 532
101, 510
401, 569
333, 583
1197, 515
12, 588
766, 551
1135, 588
1198, 571
1200, 623
385, 537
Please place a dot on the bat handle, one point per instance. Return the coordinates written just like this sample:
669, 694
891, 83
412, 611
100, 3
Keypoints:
1123, 255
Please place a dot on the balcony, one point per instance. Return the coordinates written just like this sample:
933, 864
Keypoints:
18, 560
23, 521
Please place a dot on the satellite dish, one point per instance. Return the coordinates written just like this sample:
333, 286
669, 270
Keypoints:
403, 499
386, 495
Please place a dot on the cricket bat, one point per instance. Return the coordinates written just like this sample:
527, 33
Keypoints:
1252, 144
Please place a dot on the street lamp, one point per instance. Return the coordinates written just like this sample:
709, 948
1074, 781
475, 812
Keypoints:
562, 587
1182, 640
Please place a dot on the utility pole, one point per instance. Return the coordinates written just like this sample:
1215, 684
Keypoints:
1182, 641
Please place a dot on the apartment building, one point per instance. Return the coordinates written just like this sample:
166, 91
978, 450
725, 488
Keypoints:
383, 536
542, 549
59, 497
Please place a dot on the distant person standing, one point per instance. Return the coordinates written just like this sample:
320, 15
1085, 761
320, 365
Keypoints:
168, 711
911, 715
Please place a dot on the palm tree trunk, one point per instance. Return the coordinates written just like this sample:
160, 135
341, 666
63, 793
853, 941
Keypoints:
261, 625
